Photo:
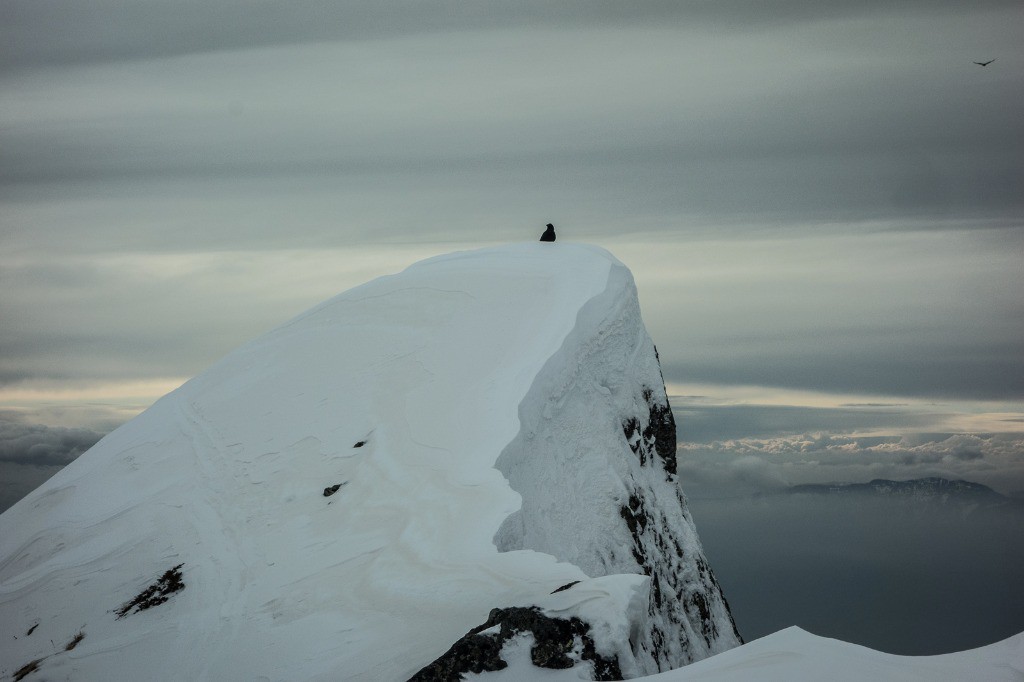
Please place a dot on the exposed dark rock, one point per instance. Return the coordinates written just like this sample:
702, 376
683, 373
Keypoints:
330, 490
554, 639
27, 669
565, 587
154, 595
474, 653
631, 429
359, 444
675, 594
75, 640
33, 666
662, 429
658, 437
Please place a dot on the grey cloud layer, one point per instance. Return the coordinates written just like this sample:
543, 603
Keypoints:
847, 118
38, 445
980, 369
106, 30
705, 424
926, 314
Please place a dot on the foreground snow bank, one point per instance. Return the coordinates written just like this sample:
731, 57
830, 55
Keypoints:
792, 655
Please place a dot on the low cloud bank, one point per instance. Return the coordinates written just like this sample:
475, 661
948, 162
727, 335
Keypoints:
31, 453
758, 465
40, 445
743, 449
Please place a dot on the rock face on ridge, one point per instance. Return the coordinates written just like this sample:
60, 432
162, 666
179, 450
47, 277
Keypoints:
484, 433
605, 426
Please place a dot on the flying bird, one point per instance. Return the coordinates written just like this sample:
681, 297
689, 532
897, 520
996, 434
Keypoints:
549, 234
984, 63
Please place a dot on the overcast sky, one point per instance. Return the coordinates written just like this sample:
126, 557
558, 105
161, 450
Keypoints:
821, 201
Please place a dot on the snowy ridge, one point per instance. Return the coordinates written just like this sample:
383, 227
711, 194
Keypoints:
323, 502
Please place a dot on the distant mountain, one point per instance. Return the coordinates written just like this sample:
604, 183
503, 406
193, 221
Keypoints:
932, 490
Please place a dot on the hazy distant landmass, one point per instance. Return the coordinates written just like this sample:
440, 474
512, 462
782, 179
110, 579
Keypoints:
932, 489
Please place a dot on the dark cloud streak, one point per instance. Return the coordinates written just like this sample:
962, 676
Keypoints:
778, 134
108, 30
698, 423
980, 371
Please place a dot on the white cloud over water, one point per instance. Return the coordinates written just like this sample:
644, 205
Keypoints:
751, 465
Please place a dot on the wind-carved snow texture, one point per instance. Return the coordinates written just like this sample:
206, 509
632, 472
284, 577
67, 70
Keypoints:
595, 465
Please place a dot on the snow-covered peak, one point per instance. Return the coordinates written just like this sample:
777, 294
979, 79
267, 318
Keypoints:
327, 501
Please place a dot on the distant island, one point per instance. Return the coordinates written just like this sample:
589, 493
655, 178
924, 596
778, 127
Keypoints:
933, 489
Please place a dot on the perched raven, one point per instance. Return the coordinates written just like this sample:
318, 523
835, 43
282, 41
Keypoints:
984, 63
549, 234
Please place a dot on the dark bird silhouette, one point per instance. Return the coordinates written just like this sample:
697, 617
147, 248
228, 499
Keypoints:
984, 63
549, 234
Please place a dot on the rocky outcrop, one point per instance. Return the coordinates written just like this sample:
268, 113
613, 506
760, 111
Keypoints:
556, 643
686, 599
658, 437
156, 594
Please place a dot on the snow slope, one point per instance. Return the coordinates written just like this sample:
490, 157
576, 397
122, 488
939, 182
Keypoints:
199, 541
